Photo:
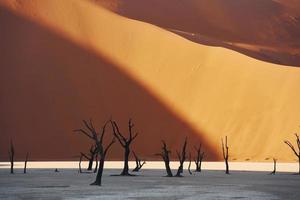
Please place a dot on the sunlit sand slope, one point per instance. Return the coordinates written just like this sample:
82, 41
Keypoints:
67, 60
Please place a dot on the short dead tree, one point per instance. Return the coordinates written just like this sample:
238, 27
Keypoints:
274, 169
125, 143
225, 154
91, 157
79, 164
11, 154
296, 152
138, 162
25, 163
91, 133
199, 158
190, 162
181, 156
165, 156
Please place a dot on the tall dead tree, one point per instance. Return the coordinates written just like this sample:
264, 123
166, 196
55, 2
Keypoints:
125, 143
91, 133
294, 150
25, 163
91, 157
199, 158
11, 154
138, 162
165, 156
225, 154
274, 169
181, 156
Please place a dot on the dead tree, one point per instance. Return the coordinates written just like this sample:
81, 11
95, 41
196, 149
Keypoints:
138, 162
190, 162
294, 150
11, 153
80, 159
225, 154
274, 169
91, 133
181, 158
96, 167
25, 164
92, 153
125, 143
165, 156
199, 158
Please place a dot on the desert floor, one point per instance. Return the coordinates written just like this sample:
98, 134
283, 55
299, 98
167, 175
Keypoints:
150, 184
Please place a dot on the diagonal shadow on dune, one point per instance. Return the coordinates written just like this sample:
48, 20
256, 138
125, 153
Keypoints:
49, 84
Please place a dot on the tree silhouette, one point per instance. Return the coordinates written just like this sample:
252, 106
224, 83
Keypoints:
138, 162
165, 156
181, 158
190, 162
225, 154
294, 150
92, 154
91, 133
79, 164
199, 158
96, 160
125, 143
11, 154
274, 169
25, 163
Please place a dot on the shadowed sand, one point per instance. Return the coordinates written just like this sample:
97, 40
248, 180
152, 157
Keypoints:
53, 84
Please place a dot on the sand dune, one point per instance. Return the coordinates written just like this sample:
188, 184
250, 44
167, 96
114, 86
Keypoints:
264, 24
63, 61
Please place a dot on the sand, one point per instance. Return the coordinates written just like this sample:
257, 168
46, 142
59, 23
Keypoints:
64, 61
264, 29
68, 184
157, 165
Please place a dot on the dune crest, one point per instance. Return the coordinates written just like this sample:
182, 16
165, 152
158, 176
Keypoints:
270, 28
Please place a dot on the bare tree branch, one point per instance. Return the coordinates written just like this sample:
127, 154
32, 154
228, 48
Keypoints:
84, 132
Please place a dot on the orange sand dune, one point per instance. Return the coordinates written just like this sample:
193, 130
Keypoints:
62, 61
265, 23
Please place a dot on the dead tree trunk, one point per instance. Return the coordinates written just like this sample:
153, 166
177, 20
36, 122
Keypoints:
125, 143
181, 158
11, 153
91, 133
98, 180
92, 153
294, 150
80, 159
25, 164
138, 162
96, 167
190, 162
274, 170
165, 156
199, 158
225, 154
